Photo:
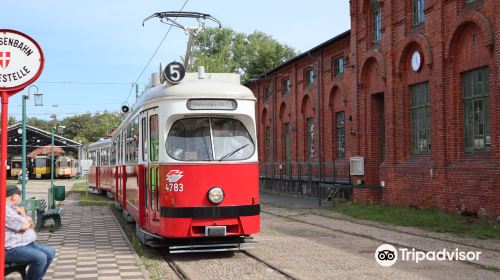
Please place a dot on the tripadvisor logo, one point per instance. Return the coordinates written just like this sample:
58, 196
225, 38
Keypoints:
387, 255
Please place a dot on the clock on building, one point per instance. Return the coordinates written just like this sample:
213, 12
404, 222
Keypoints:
416, 61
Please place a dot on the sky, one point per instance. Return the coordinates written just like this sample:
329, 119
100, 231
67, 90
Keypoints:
96, 49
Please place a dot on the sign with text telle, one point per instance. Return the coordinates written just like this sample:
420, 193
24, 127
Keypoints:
21, 60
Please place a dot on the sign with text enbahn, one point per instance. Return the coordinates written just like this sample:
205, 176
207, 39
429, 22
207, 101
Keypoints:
21, 60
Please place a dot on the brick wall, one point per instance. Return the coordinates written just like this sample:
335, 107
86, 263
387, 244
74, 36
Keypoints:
377, 79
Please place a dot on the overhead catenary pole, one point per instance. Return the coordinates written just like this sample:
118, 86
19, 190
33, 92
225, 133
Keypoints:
23, 160
52, 168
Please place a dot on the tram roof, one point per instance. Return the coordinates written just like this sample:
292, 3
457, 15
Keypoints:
102, 142
214, 85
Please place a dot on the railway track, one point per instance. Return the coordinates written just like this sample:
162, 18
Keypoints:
177, 269
280, 271
181, 274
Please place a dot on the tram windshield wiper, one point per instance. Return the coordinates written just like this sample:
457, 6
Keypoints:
233, 152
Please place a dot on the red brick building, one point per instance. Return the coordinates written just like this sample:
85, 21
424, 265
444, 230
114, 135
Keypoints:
412, 88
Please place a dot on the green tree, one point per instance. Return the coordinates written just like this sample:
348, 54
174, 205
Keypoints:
38, 123
12, 120
224, 50
84, 128
87, 128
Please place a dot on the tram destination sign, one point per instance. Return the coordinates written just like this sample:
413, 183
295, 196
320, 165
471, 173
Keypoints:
21, 60
212, 104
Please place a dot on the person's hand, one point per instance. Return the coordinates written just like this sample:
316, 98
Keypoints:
20, 211
31, 222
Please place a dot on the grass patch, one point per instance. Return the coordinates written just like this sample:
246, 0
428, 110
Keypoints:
90, 199
151, 259
432, 219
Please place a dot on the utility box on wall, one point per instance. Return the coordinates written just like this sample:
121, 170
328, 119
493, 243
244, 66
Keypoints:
357, 166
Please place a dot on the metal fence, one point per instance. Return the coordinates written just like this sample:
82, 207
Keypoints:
303, 178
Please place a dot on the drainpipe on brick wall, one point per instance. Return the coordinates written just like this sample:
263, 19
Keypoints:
272, 124
319, 125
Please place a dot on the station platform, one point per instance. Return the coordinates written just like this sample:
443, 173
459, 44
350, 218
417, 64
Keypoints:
89, 245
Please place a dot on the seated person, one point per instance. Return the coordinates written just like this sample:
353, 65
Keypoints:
20, 246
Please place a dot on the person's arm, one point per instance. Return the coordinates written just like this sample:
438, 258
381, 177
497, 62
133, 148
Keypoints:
27, 220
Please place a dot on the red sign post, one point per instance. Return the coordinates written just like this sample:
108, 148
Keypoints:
21, 63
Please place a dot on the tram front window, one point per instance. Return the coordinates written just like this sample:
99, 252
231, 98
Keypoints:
63, 164
40, 162
209, 139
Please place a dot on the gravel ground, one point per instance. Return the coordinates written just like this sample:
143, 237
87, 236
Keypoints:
333, 251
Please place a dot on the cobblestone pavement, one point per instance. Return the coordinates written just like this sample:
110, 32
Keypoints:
89, 245
313, 243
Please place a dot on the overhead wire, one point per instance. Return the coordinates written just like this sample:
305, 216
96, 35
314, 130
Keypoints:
154, 53
86, 83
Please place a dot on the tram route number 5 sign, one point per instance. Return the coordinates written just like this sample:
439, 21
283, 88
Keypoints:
174, 72
21, 60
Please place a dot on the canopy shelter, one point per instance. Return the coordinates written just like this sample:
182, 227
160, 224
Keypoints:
39, 142
46, 150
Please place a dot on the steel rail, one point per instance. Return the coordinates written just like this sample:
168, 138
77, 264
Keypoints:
280, 271
178, 271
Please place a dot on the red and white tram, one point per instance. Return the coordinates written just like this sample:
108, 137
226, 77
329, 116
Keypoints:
183, 164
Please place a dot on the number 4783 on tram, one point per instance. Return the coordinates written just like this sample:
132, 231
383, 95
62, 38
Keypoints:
183, 164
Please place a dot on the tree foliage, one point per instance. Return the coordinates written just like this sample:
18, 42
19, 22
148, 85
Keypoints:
85, 128
225, 50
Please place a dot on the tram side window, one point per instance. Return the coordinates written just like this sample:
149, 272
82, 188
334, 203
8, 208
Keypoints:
113, 153
144, 139
153, 137
152, 180
128, 141
132, 141
104, 157
135, 129
120, 148
92, 156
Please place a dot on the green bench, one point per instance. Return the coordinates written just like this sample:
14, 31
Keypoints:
15, 267
44, 215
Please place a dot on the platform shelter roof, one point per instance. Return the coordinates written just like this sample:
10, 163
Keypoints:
38, 139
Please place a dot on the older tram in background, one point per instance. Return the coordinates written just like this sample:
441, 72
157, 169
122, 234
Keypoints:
41, 167
183, 164
66, 167
16, 166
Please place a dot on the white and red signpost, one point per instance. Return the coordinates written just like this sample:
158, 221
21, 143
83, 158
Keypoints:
21, 63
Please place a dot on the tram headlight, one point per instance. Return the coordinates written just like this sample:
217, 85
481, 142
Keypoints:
216, 195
